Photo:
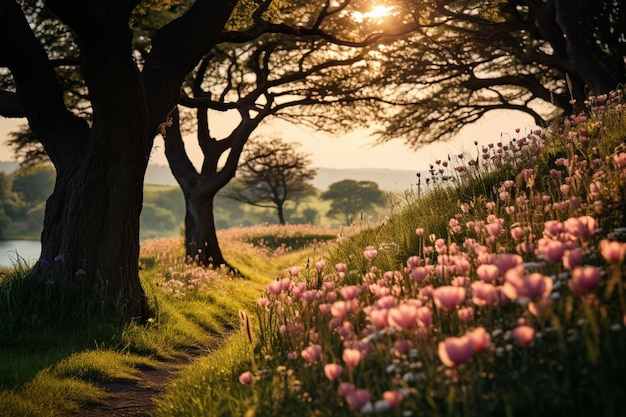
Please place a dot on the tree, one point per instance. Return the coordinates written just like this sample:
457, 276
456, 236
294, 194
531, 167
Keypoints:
99, 139
348, 197
315, 80
92, 217
540, 57
272, 173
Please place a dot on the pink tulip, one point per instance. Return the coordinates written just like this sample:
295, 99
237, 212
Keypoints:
448, 297
341, 267
480, 338
466, 314
320, 265
274, 287
420, 273
379, 317
524, 335
393, 398
483, 293
581, 227
358, 398
402, 347
345, 388
333, 371
403, 317
454, 351
312, 353
370, 252
584, 279
506, 261
424, 316
488, 272
294, 271
540, 307
246, 378
612, 251
350, 292
351, 357
572, 258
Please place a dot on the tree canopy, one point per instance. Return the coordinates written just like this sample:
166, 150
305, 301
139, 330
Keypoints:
350, 197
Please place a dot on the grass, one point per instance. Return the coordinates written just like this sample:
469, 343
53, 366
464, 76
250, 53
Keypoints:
494, 288
489, 293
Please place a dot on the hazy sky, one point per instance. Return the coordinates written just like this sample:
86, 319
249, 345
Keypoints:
355, 150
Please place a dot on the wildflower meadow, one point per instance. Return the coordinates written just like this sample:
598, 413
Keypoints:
494, 289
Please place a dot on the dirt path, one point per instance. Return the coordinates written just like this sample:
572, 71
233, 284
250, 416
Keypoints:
137, 398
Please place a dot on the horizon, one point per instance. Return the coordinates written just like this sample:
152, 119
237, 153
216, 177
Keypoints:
355, 150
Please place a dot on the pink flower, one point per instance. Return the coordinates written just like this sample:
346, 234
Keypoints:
351, 357
584, 279
341, 267
494, 229
524, 335
312, 353
572, 258
419, 231
506, 261
403, 317
350, 292
345, 388
246, 378
424, 316
551, 250
413, 262
358, 398
480, 338
274, 287
420, 273
393, 398
466, 314
448, 297
612, 251
294, 271
320, 265
333, 371
402, 347
487, 272
483, 293
454, 351
531, 287
581, 227
370, 252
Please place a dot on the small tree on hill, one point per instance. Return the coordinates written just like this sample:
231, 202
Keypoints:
272, 173
350, 197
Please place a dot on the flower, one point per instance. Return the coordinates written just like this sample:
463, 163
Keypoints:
333, 371
584, 279
483, 293
454, 351
480, 338
370, 252
487, 272
246, 378
612, 251
351, 357
523, 335
393, 398
403, 317
312, 353
448, 297
358, 398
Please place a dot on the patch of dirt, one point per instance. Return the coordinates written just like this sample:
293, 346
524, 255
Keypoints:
137, 398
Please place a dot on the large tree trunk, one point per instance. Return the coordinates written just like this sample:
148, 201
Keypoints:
91, 226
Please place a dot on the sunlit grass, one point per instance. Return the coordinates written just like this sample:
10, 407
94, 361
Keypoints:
494, 288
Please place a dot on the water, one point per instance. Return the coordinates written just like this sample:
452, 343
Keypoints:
10, 250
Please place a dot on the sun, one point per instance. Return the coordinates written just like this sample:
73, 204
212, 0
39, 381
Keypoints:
377, 14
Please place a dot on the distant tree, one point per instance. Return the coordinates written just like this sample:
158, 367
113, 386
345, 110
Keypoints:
10, 204
272, 173
348, 197
34, 184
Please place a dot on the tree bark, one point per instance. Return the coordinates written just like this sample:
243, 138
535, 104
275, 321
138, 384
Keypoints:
91, 225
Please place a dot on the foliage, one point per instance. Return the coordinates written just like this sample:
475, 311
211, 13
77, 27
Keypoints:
349, 197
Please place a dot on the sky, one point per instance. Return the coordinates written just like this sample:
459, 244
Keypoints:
355, 150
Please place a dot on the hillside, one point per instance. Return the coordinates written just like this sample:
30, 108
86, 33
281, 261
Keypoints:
387, 179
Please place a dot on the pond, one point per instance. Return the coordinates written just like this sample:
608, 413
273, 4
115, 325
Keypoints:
11, 250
